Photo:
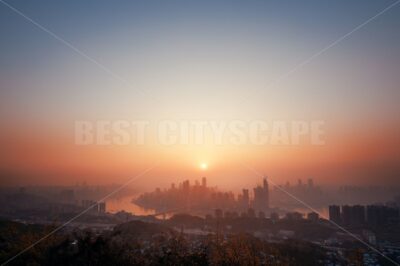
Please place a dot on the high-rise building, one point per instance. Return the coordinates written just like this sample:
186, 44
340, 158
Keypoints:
266, 191
353, 215
265, 184
334, 214
245, 199
377, 215
358, 215
258, 202
374, 215
204, 182
261, 196
186, 185
346, 214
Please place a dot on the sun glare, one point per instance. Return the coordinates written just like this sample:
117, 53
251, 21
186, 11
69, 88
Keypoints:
203, 166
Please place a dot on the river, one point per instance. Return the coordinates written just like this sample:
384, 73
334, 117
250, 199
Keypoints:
125, 204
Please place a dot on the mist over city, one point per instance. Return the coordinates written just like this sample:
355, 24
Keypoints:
199, 132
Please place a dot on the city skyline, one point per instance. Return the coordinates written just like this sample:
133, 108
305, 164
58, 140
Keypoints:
190, 61
172, 132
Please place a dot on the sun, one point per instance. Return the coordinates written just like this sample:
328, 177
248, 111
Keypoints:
203, 166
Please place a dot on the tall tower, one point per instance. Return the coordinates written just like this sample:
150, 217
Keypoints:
261, 196
245, 199
265, 184
266, 191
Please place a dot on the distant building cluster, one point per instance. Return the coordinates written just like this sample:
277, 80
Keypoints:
187, 197
93, 206
284, 195
68, 198
356, 215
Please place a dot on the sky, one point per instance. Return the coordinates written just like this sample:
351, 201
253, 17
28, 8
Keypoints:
191, 60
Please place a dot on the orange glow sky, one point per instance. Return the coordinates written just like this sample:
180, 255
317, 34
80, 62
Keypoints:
205, 60
49, 156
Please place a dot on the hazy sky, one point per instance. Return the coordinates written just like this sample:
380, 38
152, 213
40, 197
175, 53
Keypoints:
199, 60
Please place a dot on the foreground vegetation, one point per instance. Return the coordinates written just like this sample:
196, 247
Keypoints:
138, 243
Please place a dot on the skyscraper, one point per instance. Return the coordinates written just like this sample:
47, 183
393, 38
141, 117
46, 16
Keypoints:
261, 196
266, 191
245, 199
